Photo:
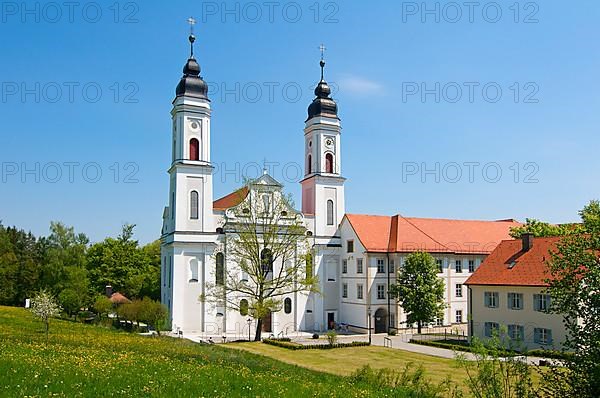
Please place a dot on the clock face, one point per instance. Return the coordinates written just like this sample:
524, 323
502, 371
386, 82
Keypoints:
195, 125
329, 142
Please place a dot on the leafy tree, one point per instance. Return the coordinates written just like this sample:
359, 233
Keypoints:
541, 229
44, 307
495, 374
65, 260
20, 262
574, 286
102, 305
121, 263
70, 300
269, 250
419, 290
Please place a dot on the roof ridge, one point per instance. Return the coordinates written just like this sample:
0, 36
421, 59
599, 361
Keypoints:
425, 233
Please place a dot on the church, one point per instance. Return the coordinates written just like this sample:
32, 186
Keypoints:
355, 257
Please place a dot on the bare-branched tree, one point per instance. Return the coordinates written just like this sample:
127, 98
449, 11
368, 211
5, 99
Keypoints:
268, 256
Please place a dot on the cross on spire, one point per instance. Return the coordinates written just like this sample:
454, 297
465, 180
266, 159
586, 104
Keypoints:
191, 21
322, 48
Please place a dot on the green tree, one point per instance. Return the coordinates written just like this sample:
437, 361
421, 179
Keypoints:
574, 284
541, 229
419, 290
70, 301
64, 265
121, 263
103, 306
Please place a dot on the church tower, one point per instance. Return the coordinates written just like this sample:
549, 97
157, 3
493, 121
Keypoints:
191, 171
323, 184
189, 232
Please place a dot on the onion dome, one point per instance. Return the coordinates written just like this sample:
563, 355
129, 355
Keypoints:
323, 104
191, 84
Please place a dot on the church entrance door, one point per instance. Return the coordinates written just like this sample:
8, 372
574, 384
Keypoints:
267, 323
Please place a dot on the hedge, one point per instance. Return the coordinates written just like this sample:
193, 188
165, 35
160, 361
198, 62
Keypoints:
295, 346
439, 344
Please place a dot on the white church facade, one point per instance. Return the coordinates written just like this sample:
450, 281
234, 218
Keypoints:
355, 257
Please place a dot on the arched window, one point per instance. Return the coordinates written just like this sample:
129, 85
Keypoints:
194, 205
193, 271
266, 258
220, 270
194, 149
243, 307
329, 163
309, 165
287, 305
330, 212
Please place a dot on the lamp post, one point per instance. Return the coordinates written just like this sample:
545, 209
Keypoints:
369, 323
249, 331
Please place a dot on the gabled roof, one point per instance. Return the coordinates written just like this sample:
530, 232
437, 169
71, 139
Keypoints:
409, 234
509, 265
231, 200
237, 197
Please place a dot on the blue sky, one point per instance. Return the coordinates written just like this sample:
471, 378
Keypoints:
402, 151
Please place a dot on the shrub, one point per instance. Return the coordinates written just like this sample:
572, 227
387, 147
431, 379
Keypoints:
315, 336
296, 346
392, 332
406, 382
331, 337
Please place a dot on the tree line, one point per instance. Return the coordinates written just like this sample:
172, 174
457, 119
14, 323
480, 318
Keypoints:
67, 266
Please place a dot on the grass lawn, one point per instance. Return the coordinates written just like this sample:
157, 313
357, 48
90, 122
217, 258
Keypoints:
344, 361
85, 360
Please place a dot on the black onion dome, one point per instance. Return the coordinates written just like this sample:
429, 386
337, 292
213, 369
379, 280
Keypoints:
191, 84
323, 104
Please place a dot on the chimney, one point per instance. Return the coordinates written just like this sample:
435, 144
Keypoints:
527, 239
108, 291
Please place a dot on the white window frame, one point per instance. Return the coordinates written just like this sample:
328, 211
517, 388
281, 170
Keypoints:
380, 291
344, 266
458, 290
380, 266
359, 266
344, 290
458, 316
458, 268
360, 291
471, 266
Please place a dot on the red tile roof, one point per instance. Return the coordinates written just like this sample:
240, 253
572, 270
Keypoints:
529, 268
409, 234
118, 298
231, 200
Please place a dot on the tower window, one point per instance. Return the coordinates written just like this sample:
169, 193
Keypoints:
194, 149
220, 270
330, 212
194, 205
309, 165
329, 163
